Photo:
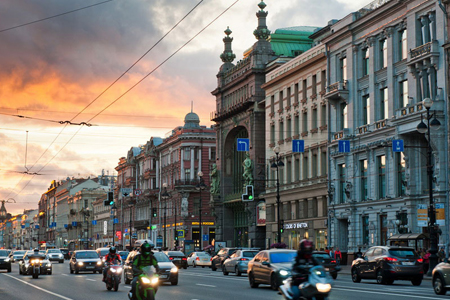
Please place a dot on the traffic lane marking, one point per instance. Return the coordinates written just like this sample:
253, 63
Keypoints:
382, 293
39, 288
208, 285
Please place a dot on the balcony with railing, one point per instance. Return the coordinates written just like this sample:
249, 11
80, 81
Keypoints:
186, 184
429, 51
231, 110
337, 91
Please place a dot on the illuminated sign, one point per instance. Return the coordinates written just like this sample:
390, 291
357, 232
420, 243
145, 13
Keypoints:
295, 225
203, 223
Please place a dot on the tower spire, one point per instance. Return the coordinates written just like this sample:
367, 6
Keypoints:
262, 32
227, 55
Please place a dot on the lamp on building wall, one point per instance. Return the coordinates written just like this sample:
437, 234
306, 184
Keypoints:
425, 129
201, 186
276, 165
165, 195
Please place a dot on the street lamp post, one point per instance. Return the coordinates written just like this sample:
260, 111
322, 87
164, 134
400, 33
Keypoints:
276, 166
200, 187
113, 217
425, 128
165, 195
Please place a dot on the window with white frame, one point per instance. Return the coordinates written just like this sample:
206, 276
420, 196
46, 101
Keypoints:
384, 107
383, 54
403, 93
343, 68
366, 109
403, 45
365, 62
381, 164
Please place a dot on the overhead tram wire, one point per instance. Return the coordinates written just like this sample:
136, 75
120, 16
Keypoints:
55, 16
98, 98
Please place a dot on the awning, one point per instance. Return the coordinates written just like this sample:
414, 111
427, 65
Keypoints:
409, 236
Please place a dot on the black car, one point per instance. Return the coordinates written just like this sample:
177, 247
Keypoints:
178, 258
85, 261
168, 272
65, 252
271, 267
218, 259
25, 268
327, 262
388, 263
5, 261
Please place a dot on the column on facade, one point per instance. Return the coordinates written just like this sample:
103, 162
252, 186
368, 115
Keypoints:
182, 165
432, 75
192, 164
432, 26
200, 160
425, 29
425, 84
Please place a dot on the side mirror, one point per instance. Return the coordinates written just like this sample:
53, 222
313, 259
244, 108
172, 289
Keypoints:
266, 263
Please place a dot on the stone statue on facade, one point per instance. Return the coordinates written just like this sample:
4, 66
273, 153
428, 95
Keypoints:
215, 180
248, 170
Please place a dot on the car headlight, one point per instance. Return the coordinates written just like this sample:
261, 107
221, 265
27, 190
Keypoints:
80, 263
6, 259
284, 273
60, 255
174, 270
99, 263
49, 265
323, 287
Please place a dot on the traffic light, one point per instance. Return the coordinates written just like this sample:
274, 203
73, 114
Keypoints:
282, 226
109, 199
249, 194
155, 212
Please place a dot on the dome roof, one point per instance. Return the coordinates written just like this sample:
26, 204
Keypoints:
191, 120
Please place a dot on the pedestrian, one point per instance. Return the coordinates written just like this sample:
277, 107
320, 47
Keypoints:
441, 254
332, 252
327, 250
359, 253
338, 256
426, 262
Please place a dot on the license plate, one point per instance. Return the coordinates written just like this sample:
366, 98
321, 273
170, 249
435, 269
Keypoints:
408, 263
90, 267
204, 259
163, 276
177, 259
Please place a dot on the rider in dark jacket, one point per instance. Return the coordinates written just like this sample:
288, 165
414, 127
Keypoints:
143, 259
303, 262
110, 258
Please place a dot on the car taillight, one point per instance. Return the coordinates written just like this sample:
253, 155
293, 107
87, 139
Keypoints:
390, 259
333, 261
183, 258
171, 258
243, 259
198, 258
420, 260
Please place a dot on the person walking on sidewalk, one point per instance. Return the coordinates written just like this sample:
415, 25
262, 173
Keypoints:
338, 256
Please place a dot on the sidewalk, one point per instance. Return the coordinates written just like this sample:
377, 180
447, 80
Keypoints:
346, 270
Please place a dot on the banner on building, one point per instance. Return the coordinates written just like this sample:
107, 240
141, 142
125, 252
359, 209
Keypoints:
440, 214
261, 214
422, 215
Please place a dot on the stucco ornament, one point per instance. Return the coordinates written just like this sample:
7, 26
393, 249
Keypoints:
248, 170
215, 180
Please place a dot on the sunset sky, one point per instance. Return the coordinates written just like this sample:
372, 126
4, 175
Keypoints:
52, 69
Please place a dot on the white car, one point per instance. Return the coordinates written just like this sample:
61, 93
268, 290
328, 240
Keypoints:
55, 254
202, 259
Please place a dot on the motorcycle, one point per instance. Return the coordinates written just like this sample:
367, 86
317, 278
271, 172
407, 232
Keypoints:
35, 265
317, 285
146, 285
113, 277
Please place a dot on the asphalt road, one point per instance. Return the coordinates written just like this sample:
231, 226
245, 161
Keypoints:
194, 284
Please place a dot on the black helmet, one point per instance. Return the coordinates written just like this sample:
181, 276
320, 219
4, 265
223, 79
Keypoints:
146, 249
36, 250
306, 247
112, 250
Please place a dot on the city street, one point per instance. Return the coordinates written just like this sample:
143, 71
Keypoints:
194, 284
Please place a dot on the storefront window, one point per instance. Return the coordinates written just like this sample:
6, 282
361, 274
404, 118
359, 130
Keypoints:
321, 239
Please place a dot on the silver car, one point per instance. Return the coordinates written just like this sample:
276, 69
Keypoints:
55, 254
238, 262
202, 259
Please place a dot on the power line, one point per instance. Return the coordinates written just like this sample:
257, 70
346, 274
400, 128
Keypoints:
58, 15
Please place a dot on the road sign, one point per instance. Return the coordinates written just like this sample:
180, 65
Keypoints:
180, 233
344, 146
137, 192
243, 144
206, 237
94, 222
398, 146
126, 191
116, 221
159, 241
298, 146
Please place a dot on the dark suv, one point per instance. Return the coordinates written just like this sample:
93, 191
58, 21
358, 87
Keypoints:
388, 263
218, 259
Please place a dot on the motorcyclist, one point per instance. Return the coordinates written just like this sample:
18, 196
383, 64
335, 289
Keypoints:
143, 259
110, 258
36, 254
303, 262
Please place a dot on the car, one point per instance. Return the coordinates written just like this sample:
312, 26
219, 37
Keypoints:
5, 261
387, 264
327, 262
238, 262
218, 259
271, 267
178, 258
55, 254
25, 266
441, 278
102, 252
202, 259
17, 255
168, 272
65, 252
86, 261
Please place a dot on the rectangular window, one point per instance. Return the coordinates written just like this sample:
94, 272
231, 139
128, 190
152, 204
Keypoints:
384, 107
403, 45
365, 230
323, 163
272, 104
281, 132
272, 134
314, 166
288, 97
187, 153
381, 162
305, 121
403, 91
297, 169
314, 119
383, 54
323, 115
323, 80
280, 101
365, 61
296, 93
289, 128
344, 123
363, 178
289, 171
213, 153
366, 112
196, 208
343, 69
296, 125
305, 168
304, 86
401, 168
187, 174
341, 174
314, 84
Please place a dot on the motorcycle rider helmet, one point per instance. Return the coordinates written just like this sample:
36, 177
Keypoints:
305, 248
36, 250
112, 250
146, 249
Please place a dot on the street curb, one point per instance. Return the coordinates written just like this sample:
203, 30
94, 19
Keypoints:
348, 273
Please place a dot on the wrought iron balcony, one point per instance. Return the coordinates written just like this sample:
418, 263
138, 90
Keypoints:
337, 91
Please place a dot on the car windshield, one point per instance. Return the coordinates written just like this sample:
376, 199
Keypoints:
3, 253
403, 253
103, 252
123, 253
176, 253
249, 253
54, 251
19, 252
282, 257
202, 254
321, 255
87, 255
161, 257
